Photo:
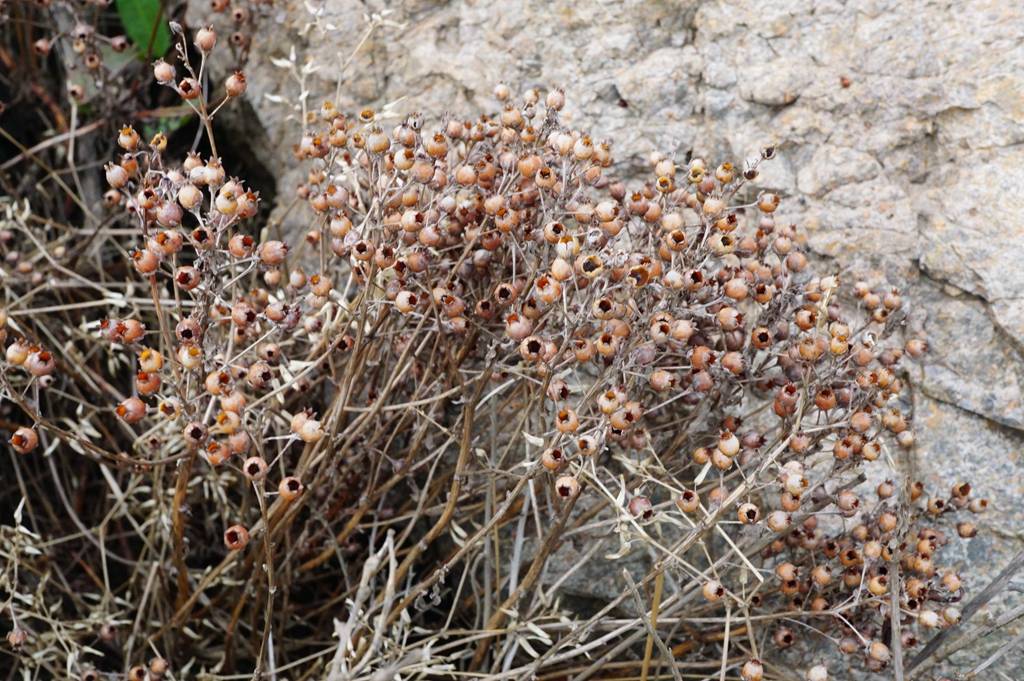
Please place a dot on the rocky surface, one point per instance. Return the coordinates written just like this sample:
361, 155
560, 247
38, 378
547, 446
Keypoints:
899, 126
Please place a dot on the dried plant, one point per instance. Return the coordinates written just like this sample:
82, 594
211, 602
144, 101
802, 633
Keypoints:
364, 451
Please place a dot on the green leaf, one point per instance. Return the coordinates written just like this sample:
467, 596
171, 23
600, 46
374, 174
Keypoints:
166, 125
140, 18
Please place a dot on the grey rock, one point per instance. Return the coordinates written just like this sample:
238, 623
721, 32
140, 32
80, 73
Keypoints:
971, 364
973, 233
833, 167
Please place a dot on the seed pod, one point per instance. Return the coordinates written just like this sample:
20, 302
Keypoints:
190, 356
641, 507
24, 440
567, 486
728, 443
552, 459
290, 488
689, 501
713, 590
189, 88
188, 331
259, 375
879, 652
158, 666
878, 585
255, 468
131, 410
235, 84
566, 421
195, 433
272, 252
822, 575
163, 72
778, 521
966, 530
206, 39
752, 670
748, 514
236, 537
17, 352
783, 637
928, 619
311, 431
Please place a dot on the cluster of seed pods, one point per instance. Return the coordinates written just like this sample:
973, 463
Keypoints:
675, 317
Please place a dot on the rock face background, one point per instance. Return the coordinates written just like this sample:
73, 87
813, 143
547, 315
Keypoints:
899, 127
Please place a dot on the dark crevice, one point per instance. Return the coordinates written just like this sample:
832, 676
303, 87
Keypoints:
243, 146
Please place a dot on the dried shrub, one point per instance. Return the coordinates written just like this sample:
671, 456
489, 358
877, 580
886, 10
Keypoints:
485, 351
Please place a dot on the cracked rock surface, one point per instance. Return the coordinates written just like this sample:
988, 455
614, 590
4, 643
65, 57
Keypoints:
899, 127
